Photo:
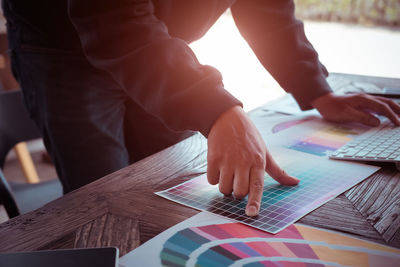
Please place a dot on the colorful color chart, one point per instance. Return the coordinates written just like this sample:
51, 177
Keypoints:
233, 244
310, 134
324, 141
209, 240
321, 180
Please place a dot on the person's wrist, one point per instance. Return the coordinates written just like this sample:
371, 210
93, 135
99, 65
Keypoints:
230, 113
321, 100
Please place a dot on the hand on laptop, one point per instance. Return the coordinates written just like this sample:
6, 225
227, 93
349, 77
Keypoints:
238, 158
357, 108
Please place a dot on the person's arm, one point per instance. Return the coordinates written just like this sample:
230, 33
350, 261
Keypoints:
162, 75
279, 42
158, 72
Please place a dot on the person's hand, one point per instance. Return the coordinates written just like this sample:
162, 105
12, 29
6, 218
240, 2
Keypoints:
238, 158
357, 108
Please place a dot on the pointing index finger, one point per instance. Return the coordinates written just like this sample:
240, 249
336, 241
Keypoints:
256, 187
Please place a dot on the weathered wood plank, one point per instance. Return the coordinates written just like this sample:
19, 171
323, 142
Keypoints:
395, 240
65, 242
51, 222
339, 214
378, 200
109, 230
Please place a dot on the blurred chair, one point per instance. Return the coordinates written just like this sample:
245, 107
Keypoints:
15, 127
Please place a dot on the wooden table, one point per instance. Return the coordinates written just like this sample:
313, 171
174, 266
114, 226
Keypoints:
121, 209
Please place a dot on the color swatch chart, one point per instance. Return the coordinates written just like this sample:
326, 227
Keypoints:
313, 136
233, 244
206, 240
324, 141
321, 180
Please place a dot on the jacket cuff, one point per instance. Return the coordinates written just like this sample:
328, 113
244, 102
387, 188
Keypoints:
216, 106
310, 88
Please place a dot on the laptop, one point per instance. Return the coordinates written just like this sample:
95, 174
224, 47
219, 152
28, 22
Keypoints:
85, 257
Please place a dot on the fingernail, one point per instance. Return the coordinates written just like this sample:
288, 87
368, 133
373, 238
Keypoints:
296, 180
251, 211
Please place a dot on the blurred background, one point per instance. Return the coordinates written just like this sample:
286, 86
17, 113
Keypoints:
366, 12
351, 36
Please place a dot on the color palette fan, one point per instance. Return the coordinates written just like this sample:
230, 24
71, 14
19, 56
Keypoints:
281, 205
209, 240
234, 244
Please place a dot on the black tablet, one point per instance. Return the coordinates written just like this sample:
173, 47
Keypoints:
86, 257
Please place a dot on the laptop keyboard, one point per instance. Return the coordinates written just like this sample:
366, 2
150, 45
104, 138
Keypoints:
381, 144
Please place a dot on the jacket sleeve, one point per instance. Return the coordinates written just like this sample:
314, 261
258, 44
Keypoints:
158, 72
279, 42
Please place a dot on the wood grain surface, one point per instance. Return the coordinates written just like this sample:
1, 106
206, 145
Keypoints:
122, 210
